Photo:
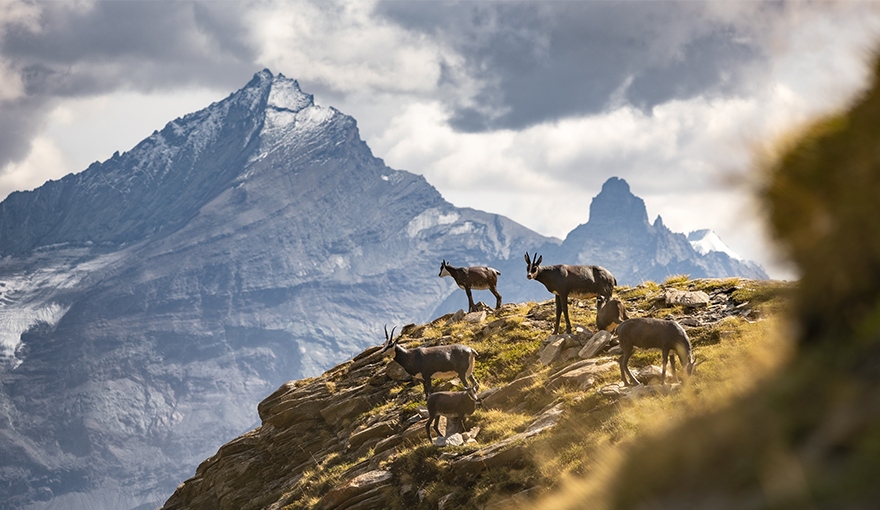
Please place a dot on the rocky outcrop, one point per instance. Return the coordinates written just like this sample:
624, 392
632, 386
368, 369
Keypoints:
358, 423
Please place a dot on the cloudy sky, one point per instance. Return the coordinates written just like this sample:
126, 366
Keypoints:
520, 108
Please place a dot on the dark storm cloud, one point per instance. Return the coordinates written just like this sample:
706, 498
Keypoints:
139, 46
545, 61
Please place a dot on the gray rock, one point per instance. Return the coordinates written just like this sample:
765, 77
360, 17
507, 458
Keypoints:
690, 299
551, 351
475, 317
596, 343
507, 396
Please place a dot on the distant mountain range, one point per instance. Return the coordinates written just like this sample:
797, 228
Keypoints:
149, 302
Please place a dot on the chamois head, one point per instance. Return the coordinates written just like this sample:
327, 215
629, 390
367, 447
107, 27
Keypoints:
532, 265
443, 270
389, 340
472, 393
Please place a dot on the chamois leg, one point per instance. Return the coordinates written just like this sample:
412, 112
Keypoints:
565, 310
437, 425
663, 370
428, 428
624, 369
672, 364
471, 306
497, 297
426, 384
558, 314
467, 376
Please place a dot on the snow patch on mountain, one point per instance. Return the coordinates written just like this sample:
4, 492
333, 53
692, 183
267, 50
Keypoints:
29, 297
428, 219
15, 320
706, 240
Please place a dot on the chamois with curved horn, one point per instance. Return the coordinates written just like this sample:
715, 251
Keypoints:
425, 362
476, 278
575, 281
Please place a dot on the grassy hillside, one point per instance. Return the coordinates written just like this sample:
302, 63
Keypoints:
360, 420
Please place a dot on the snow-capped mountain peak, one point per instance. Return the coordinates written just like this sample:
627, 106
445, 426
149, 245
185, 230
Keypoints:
286, 95
706, 240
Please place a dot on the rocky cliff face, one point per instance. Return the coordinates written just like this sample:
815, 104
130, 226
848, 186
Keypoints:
619, 237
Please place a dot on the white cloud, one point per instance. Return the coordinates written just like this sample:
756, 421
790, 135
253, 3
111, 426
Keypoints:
345, 47
20, 15
45, 161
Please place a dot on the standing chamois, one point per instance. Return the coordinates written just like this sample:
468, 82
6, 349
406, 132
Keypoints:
477, 278
452, 404
650, 333
455, 359
575, 281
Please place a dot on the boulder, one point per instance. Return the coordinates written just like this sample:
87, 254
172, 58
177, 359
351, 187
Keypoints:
506, 396
690, 299
475, 317
456, 317
551, 351
598, 342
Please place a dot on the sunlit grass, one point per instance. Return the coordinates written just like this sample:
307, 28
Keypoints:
597, 430
676, 279
737, 354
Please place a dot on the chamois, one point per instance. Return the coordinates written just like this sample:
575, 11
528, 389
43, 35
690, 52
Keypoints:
610, 315
452, 404
476, 278
575, 281
650, 333
455, 359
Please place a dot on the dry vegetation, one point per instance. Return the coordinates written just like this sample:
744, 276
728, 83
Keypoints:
595, 428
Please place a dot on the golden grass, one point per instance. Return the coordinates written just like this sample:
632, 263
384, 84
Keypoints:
595, 429
676, 279
598, 432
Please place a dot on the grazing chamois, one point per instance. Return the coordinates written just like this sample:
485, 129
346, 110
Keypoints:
452, 404
476, 278
650, 333
575, 281
455, 359
610, 315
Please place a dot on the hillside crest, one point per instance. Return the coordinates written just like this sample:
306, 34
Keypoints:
348, 438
